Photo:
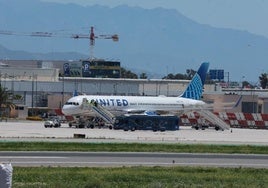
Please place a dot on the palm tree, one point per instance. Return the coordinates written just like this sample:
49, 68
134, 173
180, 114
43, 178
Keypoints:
263, 80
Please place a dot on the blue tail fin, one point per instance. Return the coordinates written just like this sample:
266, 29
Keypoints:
195, 88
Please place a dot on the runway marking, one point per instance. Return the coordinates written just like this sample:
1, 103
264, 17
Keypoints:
264, 165
31, 157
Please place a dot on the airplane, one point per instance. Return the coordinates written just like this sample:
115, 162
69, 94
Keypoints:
108, 106
189, 99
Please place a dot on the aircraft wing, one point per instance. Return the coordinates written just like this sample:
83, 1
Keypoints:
206, 107
223, 105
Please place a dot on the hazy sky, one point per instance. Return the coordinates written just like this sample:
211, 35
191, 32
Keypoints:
250, 15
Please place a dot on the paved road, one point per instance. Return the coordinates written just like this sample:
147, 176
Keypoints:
35, 131
90, 159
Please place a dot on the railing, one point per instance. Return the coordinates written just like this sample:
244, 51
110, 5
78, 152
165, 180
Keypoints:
107, 116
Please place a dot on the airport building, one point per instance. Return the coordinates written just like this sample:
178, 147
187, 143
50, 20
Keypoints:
47, 85
92, 69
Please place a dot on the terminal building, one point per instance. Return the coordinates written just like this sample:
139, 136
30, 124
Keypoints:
47, 85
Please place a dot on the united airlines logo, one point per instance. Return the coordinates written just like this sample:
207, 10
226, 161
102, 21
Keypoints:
112, 102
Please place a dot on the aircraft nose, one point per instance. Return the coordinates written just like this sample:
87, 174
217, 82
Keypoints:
65, 110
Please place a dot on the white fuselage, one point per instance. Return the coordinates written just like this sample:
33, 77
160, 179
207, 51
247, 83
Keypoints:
128, 104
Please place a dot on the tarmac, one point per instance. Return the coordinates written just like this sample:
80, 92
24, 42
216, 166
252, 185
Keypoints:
35, 131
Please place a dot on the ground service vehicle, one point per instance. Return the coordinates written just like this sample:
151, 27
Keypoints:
90, 122
144, 122
53, 122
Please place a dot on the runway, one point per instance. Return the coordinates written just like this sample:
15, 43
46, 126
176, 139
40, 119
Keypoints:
35, 131
118, 159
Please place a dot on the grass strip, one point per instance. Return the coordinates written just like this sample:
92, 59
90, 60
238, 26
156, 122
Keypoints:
139, 177
132, 147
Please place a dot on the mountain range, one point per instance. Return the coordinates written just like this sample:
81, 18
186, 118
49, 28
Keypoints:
156, 41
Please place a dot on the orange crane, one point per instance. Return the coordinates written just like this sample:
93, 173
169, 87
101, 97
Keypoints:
91, 36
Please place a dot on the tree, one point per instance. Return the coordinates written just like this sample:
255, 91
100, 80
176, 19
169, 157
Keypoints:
5, 100
246, 84
179, 76
143, 76
169, 77
128, 74
190, 73
263, 80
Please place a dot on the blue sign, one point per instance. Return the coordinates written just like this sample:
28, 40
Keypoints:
66, 69
216, 74
86, 69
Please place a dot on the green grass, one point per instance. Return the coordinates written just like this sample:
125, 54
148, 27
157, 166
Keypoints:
139, 177
132, 147
155, 177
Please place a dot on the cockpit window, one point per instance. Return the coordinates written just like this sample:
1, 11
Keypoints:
72, 103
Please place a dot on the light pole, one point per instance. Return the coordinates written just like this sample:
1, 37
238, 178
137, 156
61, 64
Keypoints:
34, 76
32, 93
228, 79
167, 89
115, 89
242, 79
62, 94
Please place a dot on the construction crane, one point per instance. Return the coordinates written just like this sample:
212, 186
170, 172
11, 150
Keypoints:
91, 36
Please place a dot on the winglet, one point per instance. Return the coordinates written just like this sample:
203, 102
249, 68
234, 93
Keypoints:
195, 88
